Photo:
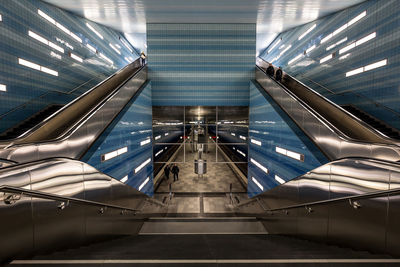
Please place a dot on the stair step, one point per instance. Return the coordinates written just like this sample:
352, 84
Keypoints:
202, 225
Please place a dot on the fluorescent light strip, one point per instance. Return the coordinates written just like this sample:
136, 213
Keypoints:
242, 137
336, 44
233, 134
274, 46
283, 51
106, 58
126, 45
259, 165
257, 183
91, 48
35, 66
358, 42
141, 166
114, 153
294, 59
279, 179
157, 137
124, 179
326, 58
1, 17
3, 88
45, 41
256, 142
145, 142
115, 49
326, 38
289, 153
166, 134
159, 152
344, 27
351, 22
58, 25
308, 31
76, 58
144, 183
127, 59
94, 30
310, 49
240, 152
367, 68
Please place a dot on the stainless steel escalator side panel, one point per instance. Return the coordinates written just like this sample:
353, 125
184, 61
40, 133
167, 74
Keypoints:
393, 221
332, 143
16, 224
76, 143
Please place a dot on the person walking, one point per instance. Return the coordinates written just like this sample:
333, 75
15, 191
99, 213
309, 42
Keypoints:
175, 171
166, 172
270, 70
142, 58
278, 74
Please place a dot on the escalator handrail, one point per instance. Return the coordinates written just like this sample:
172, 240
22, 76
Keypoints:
338, 108
43, 195
66, 133
73, 102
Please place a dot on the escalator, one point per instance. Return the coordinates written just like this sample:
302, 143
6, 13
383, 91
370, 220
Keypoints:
337, 132
71, 130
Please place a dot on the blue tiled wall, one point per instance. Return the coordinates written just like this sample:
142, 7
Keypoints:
29, 90
270, 125
376, 91
201, 64
133, 125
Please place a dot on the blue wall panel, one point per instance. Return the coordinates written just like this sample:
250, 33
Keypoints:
270, 125
375, 91
201, 64
133, 125
30, 90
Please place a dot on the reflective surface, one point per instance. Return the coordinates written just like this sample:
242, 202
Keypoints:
332, 142
38, 224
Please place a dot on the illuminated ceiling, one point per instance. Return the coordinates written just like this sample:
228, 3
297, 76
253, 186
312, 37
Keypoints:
271, 16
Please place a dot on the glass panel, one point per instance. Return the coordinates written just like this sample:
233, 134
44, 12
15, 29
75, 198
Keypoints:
232, 153
168, 124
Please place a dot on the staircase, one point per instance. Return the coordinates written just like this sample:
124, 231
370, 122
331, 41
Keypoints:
29, 123
374, 122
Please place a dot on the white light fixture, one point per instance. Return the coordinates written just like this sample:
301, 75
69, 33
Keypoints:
369, 67
124, 179
242, 137
295, 58
114, 153
157, 137
126, 45
144, 183
63, 28
106, 58
166, 134
91, 48
311, 48
145, 142
94, 30
257, 183
233, 134
259, 165
76, 58
55, 55
366, 39
308, 31
115, 49
76, 37
241, 153
256, 142
45, 41
279, 179
326, 38
326, 58
48, 71
336, 44
159, 152
1, 17
47, 17
340, 30
141, 166
3, 88
289, 153
357, 18
272, 47
35, 66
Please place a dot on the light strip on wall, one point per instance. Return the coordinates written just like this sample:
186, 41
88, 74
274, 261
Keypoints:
124, 179
233, 134
106, 58
241, 153
76, 58
357, 18
369, 67
326, 59
115, 49
3, 88
257, 183
256, 142
289, 153
114, 153
272, 47
279, 179
91, 48
336, 44
357, 43
295, 58
310, 49
145, 142
166, 134
157, 137
259, 165
45, 41
242, 137
144, 183
35, 66
126, 45
282, 52
141, 166
58, 25
308, 31
159, 152
94, 30
1, 17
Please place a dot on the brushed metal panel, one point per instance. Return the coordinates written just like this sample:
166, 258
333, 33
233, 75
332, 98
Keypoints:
393, 217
